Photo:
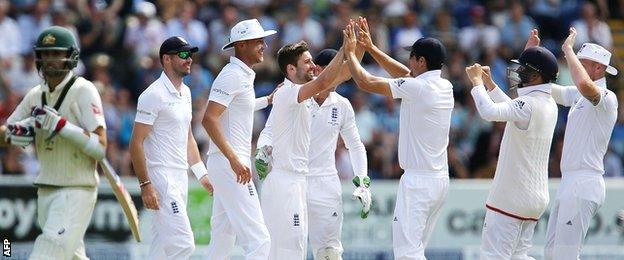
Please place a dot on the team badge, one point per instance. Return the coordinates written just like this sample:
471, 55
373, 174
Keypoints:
49, 39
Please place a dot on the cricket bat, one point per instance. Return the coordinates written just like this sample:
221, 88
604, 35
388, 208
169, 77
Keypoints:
123, 197
120, 192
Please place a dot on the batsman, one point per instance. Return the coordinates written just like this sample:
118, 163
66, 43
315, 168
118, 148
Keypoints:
63, 118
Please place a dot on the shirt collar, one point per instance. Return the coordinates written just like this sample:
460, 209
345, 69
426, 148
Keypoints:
61, 85
172, 90
287, 82
330, 100
541, 87
602, 82
243, 66
430, 74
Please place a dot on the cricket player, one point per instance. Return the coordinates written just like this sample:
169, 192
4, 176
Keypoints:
519, 192
332, 115
425, 117
284, 190
63, 117
162, 147
236, 212
592, 116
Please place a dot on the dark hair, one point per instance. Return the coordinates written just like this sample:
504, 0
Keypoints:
431, 49
289, 54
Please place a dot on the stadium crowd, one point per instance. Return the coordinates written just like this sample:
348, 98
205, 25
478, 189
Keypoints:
119, 43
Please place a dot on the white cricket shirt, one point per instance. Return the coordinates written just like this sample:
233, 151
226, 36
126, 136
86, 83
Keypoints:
335, 116
62, 163
588, 129
169, 113
290, 129
425, 119
234, 89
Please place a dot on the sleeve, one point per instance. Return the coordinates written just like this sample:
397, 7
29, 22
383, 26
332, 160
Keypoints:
408, 88
23, 109
287, 95
261, 103
353, 143
516, 110
224, 89
564, 95
266, 136
608, 101
148, 107
497, 95
90, 106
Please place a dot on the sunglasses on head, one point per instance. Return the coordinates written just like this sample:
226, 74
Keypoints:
183, 54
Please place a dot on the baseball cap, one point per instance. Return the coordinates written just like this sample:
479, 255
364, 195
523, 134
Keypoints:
247, 30
430, 48
324, 57
597, 53
176, 44
541, 60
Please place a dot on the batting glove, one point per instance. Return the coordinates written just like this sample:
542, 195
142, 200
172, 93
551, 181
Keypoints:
264, 161
21, 133
47, 118
362, 193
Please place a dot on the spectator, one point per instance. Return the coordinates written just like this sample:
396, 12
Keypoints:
479, 36
304, 27
591, 29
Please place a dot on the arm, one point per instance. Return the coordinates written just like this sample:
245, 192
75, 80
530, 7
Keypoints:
362, 78
563, 95
581, 79
266, 135
323, 81
392, 66
215, 131
344, 74
137, 154
263, 102
514, 110
494, 91
353, 143
197, 166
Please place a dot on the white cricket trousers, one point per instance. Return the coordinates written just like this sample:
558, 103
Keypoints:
579, 197
419, 199
171, 228
324, 197
236, 214
63, 215
284, 207
506, 237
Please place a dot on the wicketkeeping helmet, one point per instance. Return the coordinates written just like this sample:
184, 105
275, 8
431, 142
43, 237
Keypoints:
57, 38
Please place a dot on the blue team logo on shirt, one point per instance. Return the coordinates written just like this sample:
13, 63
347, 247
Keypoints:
400, 82
334, 116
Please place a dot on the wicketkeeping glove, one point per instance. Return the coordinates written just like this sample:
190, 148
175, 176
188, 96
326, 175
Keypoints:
264, 161
362, 193
21, 133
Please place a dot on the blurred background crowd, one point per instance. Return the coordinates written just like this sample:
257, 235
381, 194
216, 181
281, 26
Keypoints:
119, 42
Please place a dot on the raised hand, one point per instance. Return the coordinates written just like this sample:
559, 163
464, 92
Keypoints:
349, 39
486, 75
569, 42
475, 73
533, 40
364, 37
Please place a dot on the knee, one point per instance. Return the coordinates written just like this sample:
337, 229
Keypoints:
49, 247
329, 253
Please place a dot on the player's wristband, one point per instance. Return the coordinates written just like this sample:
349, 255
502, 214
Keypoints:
144, 183
199, 170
